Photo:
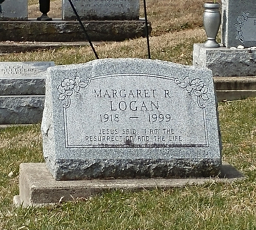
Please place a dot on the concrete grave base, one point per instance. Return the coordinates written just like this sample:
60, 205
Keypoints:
225, 62
37, 186
235, 88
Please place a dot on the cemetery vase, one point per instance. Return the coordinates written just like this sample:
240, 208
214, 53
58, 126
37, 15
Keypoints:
212, 19
44, 6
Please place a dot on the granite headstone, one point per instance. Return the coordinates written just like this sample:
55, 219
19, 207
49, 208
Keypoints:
22, 89
20, 78
130, 118
238, 23
102, 9
14, 10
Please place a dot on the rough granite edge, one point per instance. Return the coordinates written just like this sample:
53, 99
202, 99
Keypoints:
133, 168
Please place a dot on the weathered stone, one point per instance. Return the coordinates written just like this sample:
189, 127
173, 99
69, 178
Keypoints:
68, 31
225, 62
128, 118
23, 78
238, 33
238, 23
21, 109
102, 10
22, 86
14, 10
22, 89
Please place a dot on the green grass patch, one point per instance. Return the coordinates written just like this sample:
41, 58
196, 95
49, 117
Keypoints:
209, 206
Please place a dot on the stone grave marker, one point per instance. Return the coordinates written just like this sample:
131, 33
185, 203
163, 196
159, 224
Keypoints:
22, 89
102, 9
230, 60
130, 118
23, 77
14, 10
238, 23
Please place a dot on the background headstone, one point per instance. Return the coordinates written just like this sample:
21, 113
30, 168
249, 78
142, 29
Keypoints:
102, 9
230, 60
126, 118
225, 62
238, 23
22, 89
14, 10
23, 77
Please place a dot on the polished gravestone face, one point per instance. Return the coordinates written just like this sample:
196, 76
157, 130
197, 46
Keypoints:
238, 23
13, 10
126, 118
102, 9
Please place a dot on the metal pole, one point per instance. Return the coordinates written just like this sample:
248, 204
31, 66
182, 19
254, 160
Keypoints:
86, 34
44, 6
146, 21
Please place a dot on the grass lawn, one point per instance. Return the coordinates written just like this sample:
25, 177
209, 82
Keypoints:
208, 206
177, 25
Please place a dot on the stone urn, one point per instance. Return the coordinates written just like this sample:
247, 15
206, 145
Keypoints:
212, 19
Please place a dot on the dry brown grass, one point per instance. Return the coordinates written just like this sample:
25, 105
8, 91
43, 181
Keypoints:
165, 15
20, 141
161, 47
168, 16
176, 26
174, 47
